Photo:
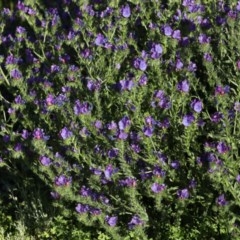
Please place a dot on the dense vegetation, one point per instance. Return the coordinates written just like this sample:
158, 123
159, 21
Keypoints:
120, 119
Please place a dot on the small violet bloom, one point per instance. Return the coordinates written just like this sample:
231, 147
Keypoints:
126, 11
156, 51
216, 117
148, 131
82, 108
38, 133
111, 221
237, 106
188, 119
221, 201
124, 123
183, 194
45, 161
65, 133
25, 134
16, 74
197, 105
135, 221
167, 30
183, 86
62, 180
125, 85
100, 40
140, 64
128, 182
109, 171
156, 187
82, 208
222, 148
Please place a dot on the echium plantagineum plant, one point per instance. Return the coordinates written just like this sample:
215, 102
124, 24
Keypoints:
128, 111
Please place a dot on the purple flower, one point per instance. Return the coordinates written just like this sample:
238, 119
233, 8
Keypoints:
82, 108
55, 68
222, 148
238, 178
122, 135
125, 85
150, 121
165, 123
216, 117
109, 171
140, 64
95, 211
161, 99
219, 90
143, 80
197, 105
6, 138
185, 41
45, 161
156, 187
179, 64
16, 74
62, 180
221, 200
98, 124
176, 34
113, 153
220, 20
25, 134
96, 171
192, 67
188, 119
38, 133
85, 191
129, 182
82, 208
20, 30
112, 125
93, 85
100, 40
135, 221
183, 194
207, 57
136, 148
203, 38
158, 172
187, 3
238, 6
124, 123
65, 133
175, 164
11, 60
183, 86
18, 147
167, 30
148, 131
156, 51
111, 221
193, 183
126, 11
50, 100
237, 106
